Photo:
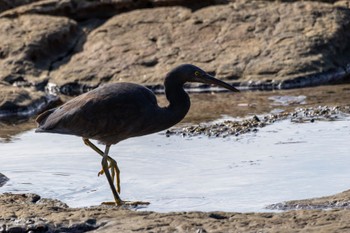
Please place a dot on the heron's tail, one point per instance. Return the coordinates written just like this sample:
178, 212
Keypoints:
42, 117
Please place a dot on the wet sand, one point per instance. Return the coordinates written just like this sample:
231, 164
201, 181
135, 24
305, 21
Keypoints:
20, 213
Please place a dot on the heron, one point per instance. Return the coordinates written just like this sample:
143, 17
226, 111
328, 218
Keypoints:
118, 111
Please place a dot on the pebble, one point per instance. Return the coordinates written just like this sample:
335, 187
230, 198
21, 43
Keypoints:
236, 128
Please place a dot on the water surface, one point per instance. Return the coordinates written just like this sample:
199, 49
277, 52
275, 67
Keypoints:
280, 162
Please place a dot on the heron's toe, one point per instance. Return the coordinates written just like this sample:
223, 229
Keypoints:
127, 203
100, 172
110, 203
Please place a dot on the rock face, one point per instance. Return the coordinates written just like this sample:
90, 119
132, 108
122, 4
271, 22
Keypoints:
269, 42
255, 44
31, 43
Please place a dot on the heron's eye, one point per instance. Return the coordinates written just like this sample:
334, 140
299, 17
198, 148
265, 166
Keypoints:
197, 73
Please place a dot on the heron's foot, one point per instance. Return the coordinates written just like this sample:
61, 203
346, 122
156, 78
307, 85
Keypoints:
115, 173
111, 165
100, 173
126, 203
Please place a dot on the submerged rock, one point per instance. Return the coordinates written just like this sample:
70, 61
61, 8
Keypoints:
3, 179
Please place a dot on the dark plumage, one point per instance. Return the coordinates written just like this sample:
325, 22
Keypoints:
108, 114
114, 112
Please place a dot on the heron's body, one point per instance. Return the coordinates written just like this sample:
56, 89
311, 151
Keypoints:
111, 113
115, 112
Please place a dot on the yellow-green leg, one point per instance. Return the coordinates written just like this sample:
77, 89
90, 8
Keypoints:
105, 168
112, 163
114, 167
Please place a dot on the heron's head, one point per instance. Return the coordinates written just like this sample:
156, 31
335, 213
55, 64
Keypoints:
191, 73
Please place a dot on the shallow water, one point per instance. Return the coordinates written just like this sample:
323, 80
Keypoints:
280, 162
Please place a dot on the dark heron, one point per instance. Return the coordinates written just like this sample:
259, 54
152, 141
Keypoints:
114, 112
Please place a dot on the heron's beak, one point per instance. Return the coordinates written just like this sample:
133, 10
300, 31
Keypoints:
211, 80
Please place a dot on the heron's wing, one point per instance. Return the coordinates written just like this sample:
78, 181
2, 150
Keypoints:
42, 117
101, 114
65, 118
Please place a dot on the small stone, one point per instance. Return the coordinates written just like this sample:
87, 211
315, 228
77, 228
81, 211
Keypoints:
16, 229
91, 221
255, 118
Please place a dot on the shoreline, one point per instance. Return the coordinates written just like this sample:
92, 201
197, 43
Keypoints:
31, 213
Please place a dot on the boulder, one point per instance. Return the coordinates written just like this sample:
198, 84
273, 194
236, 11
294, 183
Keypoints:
279, 45
30, 44
79, 45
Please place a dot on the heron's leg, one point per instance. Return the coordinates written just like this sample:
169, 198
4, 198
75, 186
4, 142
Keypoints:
95, 148
105, 167
112, 163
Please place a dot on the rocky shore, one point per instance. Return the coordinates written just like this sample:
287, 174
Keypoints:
72, 46
252, 124
31, 213
51, 50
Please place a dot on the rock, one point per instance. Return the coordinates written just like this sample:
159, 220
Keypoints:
85, 9
9, 4
30, 212
18, 103
3, 179
257, 44
239, 127
342, 3
337, 201
54, 203
129, 46
40, 218
30, 44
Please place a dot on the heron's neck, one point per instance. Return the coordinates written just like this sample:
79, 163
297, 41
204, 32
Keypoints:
179, 103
